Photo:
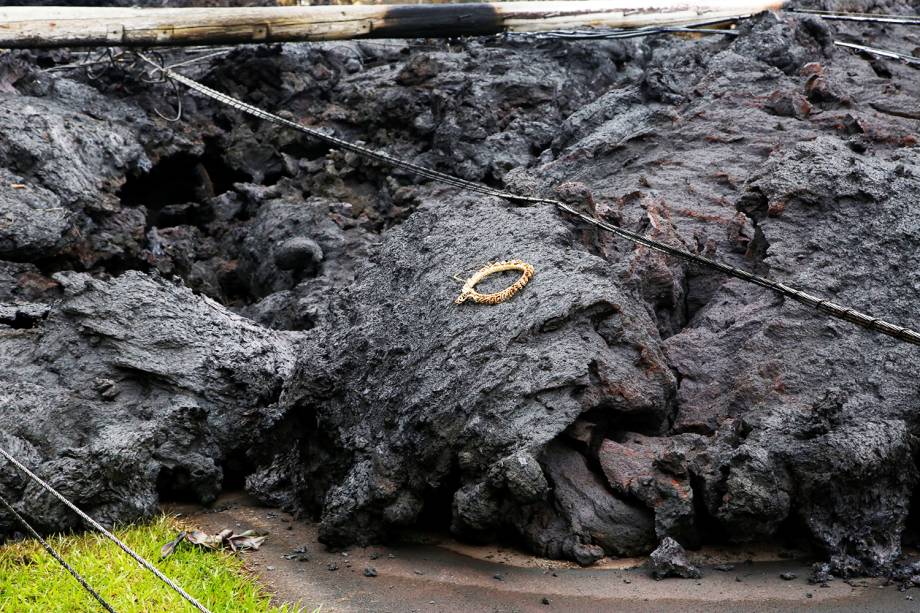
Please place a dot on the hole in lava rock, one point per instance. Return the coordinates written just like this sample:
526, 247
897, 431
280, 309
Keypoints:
20, 321
437, 509
911, 535
181, 179
236, 468
176, 484
611, 418
792, 534
708, 527
306, 149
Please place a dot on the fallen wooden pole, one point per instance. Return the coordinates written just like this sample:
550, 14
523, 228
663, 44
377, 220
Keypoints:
22, 27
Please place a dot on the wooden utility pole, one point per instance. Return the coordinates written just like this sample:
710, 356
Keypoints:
89, 26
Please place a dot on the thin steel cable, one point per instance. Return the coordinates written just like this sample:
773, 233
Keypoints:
619, 33
907, 20
92, 522
826, 306
894, 55
200, 58
54, 554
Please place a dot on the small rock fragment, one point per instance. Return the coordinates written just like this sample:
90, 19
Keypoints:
545, 600
670, 560
787, 576
370, 571
821, 574
299, 554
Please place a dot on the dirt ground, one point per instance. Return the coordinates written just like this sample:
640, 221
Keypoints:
437, 573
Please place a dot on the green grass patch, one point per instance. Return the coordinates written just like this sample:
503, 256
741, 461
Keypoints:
32, 581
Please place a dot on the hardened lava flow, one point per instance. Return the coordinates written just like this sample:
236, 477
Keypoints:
194, 307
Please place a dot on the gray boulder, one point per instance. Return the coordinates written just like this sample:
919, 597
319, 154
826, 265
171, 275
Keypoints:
129, 390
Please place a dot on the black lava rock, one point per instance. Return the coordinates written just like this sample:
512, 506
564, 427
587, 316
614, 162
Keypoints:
670, 560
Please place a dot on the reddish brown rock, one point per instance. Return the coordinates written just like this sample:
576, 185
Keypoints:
634, 467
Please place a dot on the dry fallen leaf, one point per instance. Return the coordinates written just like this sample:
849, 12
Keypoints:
170, 547
246, 540
250, 539
197, 537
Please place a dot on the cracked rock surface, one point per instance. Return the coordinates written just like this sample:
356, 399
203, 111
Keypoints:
130, 389
192, 307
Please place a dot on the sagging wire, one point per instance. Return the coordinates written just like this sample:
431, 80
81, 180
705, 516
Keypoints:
126, 61
894, 55
832, 309
159, 76
115, 57
112, 58
54, 554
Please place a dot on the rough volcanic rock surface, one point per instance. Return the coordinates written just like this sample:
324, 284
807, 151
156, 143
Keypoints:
670, 560
470, 392
131, 388
191, 306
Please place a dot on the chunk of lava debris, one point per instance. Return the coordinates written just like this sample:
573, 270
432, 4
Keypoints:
725, 568
787, 576
370, 571
821, 574
638, 467
299, 554
670, 560
907, 574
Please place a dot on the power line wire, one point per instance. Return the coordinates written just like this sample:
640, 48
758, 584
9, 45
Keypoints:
54, 554
894, 55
